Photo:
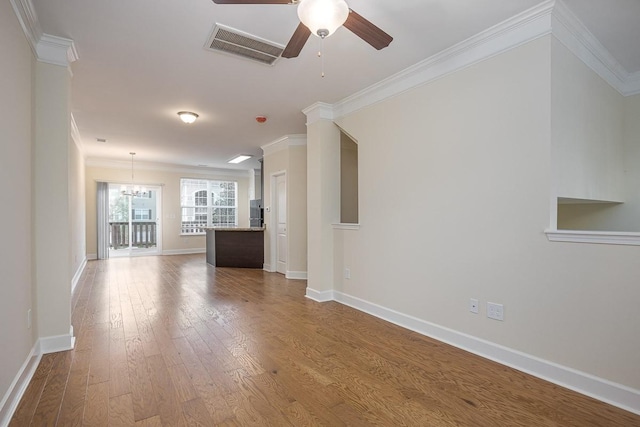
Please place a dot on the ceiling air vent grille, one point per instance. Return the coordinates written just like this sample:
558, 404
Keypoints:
235, 42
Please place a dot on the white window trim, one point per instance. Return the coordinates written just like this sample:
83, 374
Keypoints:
209, 206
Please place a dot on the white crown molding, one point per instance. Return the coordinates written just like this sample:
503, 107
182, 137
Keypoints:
45, 47
164, 167
549, 17
516, 31
284, 143
601, 237
56, 50
573, 34
632, 85
319, 111
28, 19
607, 391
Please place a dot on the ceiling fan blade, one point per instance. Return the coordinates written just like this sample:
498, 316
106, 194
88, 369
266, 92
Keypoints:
367, 31
252, 1
295, 45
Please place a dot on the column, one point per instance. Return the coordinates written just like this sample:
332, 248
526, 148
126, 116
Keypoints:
323, 198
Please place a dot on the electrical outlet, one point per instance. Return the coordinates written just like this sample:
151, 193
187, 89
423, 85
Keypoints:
473, 305
347, 273
29, 319
495, 311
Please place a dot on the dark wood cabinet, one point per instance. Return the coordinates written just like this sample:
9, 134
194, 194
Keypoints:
241, 248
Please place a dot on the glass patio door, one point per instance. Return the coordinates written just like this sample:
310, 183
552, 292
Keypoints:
134, 222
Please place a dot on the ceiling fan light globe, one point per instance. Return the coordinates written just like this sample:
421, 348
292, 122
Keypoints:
323, 17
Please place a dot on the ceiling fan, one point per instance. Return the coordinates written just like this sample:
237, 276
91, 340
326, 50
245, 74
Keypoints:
322, 18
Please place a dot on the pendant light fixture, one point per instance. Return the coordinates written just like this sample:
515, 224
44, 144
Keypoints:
133, 190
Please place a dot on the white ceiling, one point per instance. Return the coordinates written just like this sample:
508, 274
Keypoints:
142, 61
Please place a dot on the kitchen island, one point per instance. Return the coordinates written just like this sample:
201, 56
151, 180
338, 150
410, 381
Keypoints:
235, 247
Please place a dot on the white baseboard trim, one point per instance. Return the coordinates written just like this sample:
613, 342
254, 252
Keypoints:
296, 275
76, 277
184, 251
57, 343
320, 296
19, 385
267, 267
92, 257
601, 389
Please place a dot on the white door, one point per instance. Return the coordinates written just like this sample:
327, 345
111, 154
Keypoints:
281, 224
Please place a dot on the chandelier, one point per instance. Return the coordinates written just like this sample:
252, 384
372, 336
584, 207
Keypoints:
133, 190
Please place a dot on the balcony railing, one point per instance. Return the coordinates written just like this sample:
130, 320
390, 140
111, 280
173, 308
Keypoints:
143, 235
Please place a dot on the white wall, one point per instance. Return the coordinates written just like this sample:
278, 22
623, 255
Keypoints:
288, 155
619, 216
172, 241
52, 189
77, 208
16, 256
297, 205
455, 183
586, 130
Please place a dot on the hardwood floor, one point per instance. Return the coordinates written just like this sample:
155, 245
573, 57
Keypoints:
170, 341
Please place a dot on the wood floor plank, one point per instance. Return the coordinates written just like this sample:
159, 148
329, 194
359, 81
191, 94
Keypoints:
171, 341
119, 382
182, 382
99, 370
196, 413
73, 404
170, 411
27, 406
150, 422
50, 402
96, 411
144, 402
121, 411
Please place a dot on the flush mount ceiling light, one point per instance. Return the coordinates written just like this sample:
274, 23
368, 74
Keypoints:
240, 158
187, 116
323, 17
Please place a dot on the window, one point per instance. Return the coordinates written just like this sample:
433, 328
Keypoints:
138, 214
207, 203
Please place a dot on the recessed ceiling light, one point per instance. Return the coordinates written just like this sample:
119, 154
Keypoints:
187, 116
240, 158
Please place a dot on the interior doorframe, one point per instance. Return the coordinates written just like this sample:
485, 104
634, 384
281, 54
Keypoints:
273, 221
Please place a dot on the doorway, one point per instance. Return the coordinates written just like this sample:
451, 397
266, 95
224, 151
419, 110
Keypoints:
279, 241
134, 222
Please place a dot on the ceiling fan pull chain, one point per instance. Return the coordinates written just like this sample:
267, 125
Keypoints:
321, 56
